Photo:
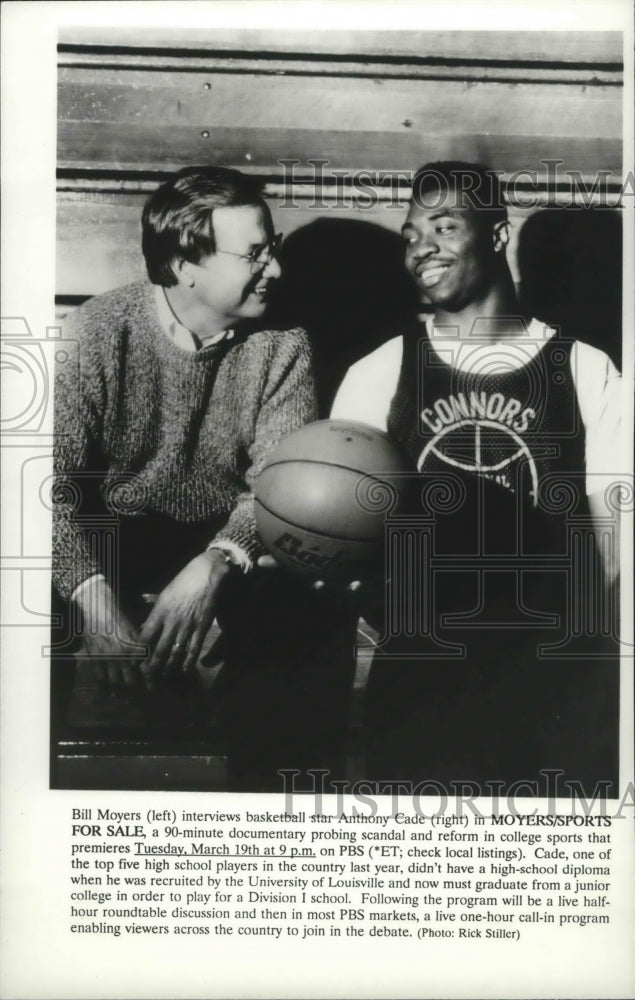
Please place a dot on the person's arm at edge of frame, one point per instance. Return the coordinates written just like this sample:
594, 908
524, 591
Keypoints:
599, 394
108, 638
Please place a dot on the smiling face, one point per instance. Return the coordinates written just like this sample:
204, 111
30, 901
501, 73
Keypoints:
223, 283
451, 251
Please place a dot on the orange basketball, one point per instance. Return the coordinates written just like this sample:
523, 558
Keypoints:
323, 496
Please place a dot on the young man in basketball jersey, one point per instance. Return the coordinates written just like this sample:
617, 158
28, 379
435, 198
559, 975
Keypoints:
514, 433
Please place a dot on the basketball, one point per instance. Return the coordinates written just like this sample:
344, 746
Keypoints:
323, 496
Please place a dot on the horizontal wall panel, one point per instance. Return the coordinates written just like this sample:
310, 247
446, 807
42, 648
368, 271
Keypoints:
145, 120
323, 104
504, 46
125, 147
589, 75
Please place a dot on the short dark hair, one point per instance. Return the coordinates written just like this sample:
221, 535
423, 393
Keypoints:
479, 184
177, 217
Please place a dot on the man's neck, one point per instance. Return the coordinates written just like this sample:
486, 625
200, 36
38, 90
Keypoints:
195, 316
494, 317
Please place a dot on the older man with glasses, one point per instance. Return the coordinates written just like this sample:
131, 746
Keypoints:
179, 397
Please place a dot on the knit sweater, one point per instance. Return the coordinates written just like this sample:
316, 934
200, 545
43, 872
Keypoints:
146, 428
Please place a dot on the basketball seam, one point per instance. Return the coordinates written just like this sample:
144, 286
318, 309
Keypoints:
333, 465
313, 531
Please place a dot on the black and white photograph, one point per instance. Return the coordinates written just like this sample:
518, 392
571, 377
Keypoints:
317, 561
419, 232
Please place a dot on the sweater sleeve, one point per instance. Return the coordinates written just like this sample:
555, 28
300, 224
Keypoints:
287, 402
77, 431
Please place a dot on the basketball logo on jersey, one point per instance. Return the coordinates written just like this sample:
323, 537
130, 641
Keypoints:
480, 432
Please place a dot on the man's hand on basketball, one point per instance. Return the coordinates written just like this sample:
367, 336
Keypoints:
183, 613
109, 641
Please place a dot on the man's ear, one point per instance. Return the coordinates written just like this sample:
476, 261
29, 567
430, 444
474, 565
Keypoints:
184, 271
500, 234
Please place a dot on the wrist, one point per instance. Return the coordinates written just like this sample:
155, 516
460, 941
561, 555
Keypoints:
236, 553
98, 606
221, 561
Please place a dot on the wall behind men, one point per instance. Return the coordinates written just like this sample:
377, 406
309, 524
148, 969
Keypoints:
307, 112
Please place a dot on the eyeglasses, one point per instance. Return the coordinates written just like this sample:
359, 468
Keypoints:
259, 257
